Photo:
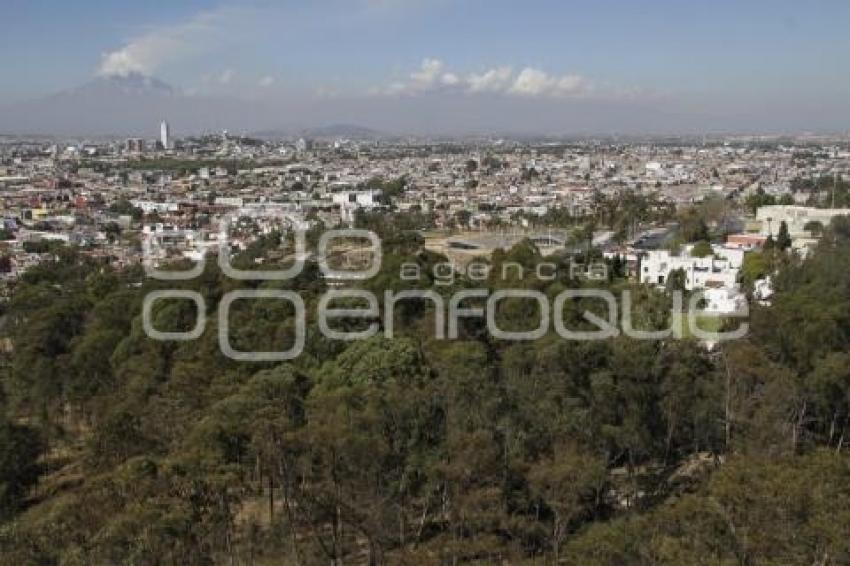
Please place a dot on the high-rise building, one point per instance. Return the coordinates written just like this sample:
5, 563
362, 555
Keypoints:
164, 137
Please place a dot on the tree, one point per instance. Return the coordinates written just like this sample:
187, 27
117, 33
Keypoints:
413, 449
839, 228
769, 244
692, 226
568, 483
757, 265
758, 200
39, 375
20, 448
702, 249
125, 207
783, 239
463, 217
814, 227
112, 231
828, 389
677, 280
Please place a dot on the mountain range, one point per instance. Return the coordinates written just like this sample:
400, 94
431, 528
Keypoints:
134, 104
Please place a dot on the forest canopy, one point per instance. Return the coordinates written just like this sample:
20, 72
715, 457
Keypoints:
115, 448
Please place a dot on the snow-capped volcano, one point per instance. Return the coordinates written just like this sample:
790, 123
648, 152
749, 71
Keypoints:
132, 84
131, 104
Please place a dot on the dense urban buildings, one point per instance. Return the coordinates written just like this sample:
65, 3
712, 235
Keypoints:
471, 196
689, 237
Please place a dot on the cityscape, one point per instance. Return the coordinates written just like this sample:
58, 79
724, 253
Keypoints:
386, 288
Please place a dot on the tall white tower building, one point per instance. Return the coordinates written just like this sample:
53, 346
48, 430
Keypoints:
164, 137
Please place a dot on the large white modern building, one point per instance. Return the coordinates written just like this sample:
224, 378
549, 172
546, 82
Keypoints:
350, 201
723, 301
716, 271
796, 217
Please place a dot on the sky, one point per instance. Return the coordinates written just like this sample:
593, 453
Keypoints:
567, 65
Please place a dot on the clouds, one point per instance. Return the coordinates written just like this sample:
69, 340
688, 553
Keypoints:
225, 77
494, 80
148, 51
534, 82
230, 23
214, 40
205, 38
529, 82
451, 79
429, 77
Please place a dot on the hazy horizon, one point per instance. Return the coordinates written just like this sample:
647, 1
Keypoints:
439, 68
